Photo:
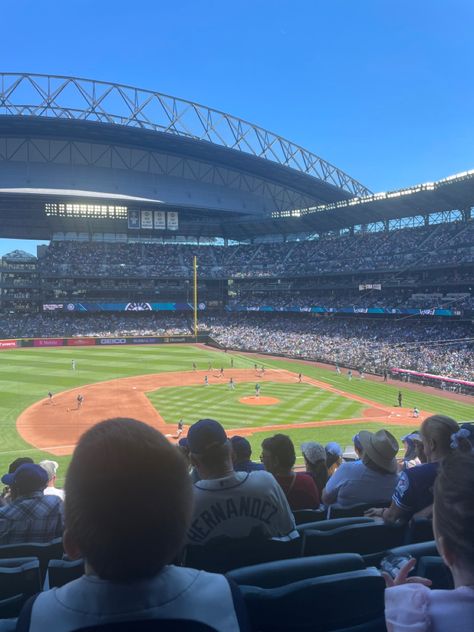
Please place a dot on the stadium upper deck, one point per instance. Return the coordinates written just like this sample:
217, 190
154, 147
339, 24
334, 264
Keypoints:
85, 156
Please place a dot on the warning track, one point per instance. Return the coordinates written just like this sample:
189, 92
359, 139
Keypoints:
57, 425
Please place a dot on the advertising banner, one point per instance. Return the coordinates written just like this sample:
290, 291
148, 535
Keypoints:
172, 220
133, 219
159, 220
345, 310
111, 341
48, 342
137, 306
8, 344
431, 376
146, 221
80, 342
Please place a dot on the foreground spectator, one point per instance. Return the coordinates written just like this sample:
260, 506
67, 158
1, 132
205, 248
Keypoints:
241, 453
228, 503
315, 462
278, 456
413, 606
414, 491
30, 516
370, 480
51, 467
128, 544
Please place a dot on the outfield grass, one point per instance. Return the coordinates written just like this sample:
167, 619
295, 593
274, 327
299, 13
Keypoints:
297, 403
27, 375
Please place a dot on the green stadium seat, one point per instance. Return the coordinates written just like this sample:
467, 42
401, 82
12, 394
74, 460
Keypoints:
355, 538
19, 580
280, 573
42, 551
62, 572
328, 603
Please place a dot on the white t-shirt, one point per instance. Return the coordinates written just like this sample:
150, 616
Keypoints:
236, 505
54, 491
355, 483
175, 593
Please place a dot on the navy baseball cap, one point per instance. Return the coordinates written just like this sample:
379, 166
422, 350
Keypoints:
28, 476
241, 447
205, 434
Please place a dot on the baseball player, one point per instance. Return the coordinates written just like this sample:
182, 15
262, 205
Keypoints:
180, 428
416, 413
338, 370
221, 372
73, 365
209, 366
232, 384
400, 399
80, 401
50, 397
349, 375
257, 390
300, 378
194, 366
232, 363
206, 381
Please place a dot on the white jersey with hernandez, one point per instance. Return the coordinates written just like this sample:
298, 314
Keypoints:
238, 504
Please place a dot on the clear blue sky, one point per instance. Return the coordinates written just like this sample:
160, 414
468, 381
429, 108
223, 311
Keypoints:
382, 88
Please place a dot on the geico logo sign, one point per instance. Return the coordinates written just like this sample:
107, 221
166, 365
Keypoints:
113, 341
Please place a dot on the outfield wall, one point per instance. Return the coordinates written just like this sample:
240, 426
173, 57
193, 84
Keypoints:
84, 341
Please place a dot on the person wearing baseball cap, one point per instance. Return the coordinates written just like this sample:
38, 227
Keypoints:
315, 461
30, 516
229, 503
241, 453
372, 479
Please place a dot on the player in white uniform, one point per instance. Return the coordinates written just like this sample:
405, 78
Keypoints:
73, 365
232, 384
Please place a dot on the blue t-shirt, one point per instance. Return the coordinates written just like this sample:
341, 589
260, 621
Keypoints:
414, 491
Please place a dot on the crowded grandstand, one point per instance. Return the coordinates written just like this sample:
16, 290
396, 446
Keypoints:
251, 256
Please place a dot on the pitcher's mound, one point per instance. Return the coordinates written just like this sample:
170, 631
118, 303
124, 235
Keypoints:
259, 401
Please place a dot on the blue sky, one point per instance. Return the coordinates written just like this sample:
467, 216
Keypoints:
382, 89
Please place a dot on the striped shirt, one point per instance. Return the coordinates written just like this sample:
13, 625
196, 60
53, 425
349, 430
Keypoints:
31, 518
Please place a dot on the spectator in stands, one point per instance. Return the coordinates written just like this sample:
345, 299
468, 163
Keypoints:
414, 491
128, 544
410, 458
228, 503
278, 457
30, 516
315, 461
241, 453
333, 457
463, 439
51, 467
410, 605
14, 465
357, 446
369, 480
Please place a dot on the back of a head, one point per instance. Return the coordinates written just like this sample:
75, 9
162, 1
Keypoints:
454, 506
241, 448
128, 499
51, 467
439, 428
281, 447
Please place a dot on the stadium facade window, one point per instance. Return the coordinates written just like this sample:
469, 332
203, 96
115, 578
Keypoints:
89, 211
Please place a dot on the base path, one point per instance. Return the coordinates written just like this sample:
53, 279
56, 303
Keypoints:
57, 425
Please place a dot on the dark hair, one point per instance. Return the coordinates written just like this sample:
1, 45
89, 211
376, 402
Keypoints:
14, 465
331, 458
241, 448
128, 499
214, 457
454, 504
319, 473
440, 428
281, 447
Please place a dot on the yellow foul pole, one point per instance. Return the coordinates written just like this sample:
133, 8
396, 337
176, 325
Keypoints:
195, 299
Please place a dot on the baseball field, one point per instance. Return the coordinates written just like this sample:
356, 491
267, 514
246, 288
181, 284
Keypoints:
160, 385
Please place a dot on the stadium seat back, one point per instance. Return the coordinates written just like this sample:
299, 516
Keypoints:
225, 554
432, 567
19, 579
329, 525
357, 538
42, 551
150, 625
62, 572
417, 550
309, 515
419, 530
322, 603
354, 510
273, 574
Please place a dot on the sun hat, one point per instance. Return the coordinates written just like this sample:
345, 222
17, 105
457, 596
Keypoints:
313, 452
205, 434
380, 447
28, 477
